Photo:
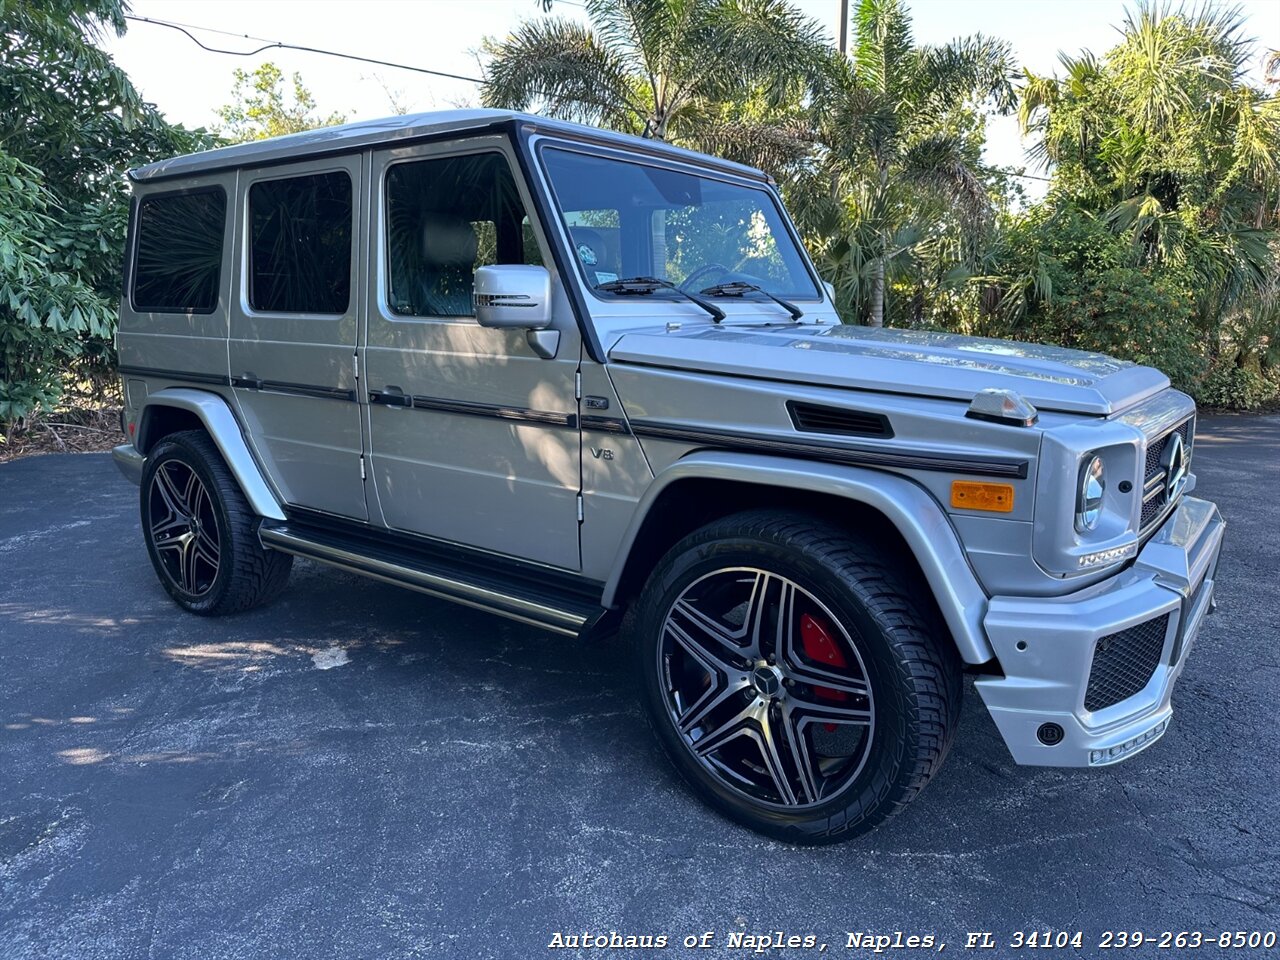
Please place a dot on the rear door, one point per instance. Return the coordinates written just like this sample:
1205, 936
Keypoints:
474, 436
294, 323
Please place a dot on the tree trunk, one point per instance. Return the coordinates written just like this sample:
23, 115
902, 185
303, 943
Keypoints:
877, 293
877, 275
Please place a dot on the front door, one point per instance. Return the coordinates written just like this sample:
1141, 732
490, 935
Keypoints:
294, 330
473, 436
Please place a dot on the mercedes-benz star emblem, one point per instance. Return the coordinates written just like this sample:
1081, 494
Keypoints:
1174, 461
766, 681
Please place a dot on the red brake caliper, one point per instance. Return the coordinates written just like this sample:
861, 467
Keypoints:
820, 648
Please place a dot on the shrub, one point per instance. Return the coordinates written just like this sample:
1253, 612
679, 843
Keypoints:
1233, 387
1122, 312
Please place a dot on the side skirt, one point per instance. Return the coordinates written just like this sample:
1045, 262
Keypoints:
546, 598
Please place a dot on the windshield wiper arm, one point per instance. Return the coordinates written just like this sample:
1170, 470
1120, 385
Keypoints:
642, 286
738, 287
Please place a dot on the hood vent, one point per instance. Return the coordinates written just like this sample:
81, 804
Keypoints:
816, 418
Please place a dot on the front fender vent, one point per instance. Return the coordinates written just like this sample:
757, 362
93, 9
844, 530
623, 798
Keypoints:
817, 418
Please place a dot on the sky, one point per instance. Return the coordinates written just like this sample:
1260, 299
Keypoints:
188, 84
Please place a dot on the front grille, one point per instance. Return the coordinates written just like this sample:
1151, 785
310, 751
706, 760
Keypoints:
1154, 499
1124, 662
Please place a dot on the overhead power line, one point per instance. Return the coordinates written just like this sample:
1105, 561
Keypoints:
186, 28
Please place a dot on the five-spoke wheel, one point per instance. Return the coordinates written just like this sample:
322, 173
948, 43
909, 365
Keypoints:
796, 674
768, 691
184, 528
201, 534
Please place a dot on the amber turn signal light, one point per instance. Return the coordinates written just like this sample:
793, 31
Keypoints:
992, 497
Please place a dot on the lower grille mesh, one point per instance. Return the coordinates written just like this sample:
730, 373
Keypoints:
1124, 662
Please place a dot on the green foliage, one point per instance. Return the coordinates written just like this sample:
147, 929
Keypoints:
1162, 139
45, 309
1124, 312
264, 105
896, 181
75, 125
669, 69
1233, 387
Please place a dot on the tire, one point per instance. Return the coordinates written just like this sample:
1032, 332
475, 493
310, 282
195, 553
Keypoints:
835, 716
201, 534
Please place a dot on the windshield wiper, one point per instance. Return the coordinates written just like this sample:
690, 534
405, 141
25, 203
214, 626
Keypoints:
738, 287
642, 286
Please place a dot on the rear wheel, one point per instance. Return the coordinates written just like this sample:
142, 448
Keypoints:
792, 678
201, 534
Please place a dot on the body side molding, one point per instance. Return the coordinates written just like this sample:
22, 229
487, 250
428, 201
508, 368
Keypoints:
823, 450
911, 510
212, 411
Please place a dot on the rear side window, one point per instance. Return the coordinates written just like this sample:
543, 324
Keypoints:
179, 252
300, 244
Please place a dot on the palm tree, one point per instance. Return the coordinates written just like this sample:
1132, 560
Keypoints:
657, 68
1162, 140
900, 142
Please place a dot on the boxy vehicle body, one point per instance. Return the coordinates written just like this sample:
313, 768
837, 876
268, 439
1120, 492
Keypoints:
580, 379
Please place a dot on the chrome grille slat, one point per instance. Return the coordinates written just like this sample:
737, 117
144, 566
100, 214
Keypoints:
1155, 506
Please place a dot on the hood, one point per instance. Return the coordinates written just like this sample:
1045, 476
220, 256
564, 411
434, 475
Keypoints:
916, 362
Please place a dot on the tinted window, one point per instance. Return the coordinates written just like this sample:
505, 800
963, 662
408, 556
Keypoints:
300, 244
179, 252
445, 218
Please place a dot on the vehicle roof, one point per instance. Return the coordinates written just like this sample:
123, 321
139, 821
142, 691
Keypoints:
390, 131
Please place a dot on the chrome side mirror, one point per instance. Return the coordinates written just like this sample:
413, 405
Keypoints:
510, 295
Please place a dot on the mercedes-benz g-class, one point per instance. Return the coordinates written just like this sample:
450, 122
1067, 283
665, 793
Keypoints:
593, 383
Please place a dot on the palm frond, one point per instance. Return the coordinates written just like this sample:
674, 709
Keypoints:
939, 165
882, 44
975, 69
563, 69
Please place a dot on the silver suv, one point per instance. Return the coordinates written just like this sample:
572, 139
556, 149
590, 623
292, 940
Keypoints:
593, 383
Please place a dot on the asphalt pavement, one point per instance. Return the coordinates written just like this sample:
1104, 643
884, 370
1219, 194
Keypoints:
360, 771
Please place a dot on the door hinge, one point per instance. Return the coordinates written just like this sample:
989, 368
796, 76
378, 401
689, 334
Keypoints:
362, 476
355, 357
581, 514
577, 385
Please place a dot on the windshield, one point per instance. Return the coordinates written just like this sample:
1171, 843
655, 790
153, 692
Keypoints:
630, 219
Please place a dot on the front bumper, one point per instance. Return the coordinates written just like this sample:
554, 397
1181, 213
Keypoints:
1047, 649
130, 462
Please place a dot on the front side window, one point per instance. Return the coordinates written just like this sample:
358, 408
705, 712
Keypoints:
629, 219
445, 218
179, 252
300, 244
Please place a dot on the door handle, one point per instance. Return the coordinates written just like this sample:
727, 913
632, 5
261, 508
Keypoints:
247, 382
390, 396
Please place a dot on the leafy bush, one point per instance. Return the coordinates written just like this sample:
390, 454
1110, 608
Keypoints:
72, 124
45, 311
1236, 388
1122, 312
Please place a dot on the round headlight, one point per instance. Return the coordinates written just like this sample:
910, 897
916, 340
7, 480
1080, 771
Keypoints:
1089, 500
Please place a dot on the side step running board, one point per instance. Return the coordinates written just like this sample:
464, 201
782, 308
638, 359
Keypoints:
569, 615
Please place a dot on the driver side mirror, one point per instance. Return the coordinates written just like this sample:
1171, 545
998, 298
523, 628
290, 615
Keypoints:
511, 295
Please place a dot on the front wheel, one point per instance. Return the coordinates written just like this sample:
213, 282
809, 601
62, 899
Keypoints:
792, 676
201, 533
